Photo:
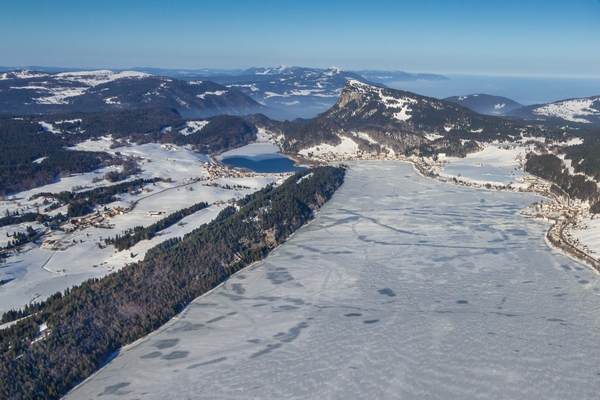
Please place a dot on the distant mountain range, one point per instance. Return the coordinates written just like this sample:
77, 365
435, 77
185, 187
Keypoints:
28, 92
280, 93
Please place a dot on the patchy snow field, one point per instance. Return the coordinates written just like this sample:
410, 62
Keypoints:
60, 260
347, 147
403, 287
496, 164
590, 236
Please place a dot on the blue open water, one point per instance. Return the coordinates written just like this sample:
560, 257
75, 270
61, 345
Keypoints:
272, 163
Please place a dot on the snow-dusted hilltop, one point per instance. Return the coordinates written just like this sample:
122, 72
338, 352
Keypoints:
374, 119
26, 92
580, 111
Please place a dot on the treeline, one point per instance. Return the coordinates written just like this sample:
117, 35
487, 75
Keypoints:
585, 158
23, 141
90, 322
155, 125
26, 217
146, 233
551, 168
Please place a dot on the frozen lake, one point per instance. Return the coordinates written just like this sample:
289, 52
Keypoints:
402, 287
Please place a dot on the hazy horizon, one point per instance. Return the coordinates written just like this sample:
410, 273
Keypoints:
470, 37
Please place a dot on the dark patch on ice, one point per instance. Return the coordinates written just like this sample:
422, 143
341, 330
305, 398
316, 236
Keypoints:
216, 360
517, 232
579, 268
231, 313
216, 319
491, 333
259, 305
560, 294
528, 282
298, 257
311, 249
443, 259
284, 308
342, 221
240, 276
387, 292
254, 341
154, 354
297, 302
176, 355
238, 288
231, 296
555, 320
279, 275
204, 305
185, 327
267, 298
116, 389
338, 252
482, 200
499, 285
566, 267
353, 315
292, 334
371, 321
505, 314
363, 238
165, 344
266, 350
583, 281
501, 306
462, 302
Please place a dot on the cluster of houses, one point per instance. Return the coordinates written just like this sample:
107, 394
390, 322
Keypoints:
96, 219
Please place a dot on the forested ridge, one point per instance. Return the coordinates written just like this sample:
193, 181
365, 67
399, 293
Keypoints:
552, 168
88, 323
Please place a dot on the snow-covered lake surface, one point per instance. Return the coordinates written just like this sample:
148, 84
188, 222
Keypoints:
402, 287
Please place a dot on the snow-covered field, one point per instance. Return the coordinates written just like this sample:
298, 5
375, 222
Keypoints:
496, 164
403, 287
60, 260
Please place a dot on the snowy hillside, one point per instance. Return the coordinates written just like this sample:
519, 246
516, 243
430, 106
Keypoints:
580, 111
26, 92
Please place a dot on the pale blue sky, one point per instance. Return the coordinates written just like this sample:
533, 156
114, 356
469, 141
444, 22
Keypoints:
508, 37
